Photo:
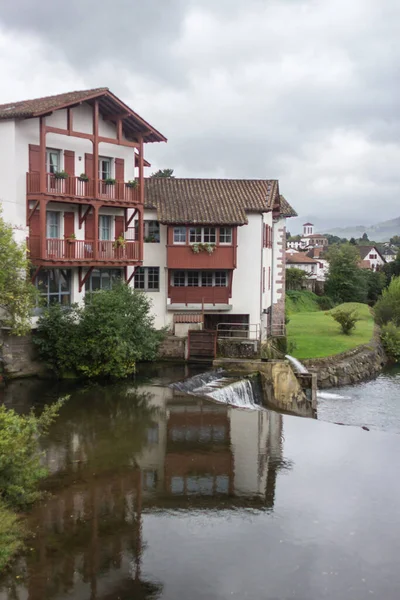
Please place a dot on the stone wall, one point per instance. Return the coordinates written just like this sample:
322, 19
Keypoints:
231, 348
18, 356
360, 364
173, 348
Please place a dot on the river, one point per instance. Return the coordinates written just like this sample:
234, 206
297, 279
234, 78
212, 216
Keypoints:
155, 494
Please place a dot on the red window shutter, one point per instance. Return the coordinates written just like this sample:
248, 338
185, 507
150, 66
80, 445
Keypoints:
269, 278
69, 224
89, 226
119, 227
265, 236
34, 224
34, 158
119, 169
69, 162
263, 279
89, 165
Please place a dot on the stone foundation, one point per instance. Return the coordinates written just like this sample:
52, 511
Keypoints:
18, 356
173, 348
231, 348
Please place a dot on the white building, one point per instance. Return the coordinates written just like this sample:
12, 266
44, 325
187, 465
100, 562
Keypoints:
309, 239
370, 258
73, 185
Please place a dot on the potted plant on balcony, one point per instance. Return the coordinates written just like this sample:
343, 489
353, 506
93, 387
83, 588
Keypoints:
61, 175
110, 181
83, 177
132, 183
200, 247
120, 242
71, 238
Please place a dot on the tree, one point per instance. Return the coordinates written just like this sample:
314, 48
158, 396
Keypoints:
392, 269
376, 282
346, 282
104, 338
395, 240
388, 306
364, 237
295, 278
353, 241
17, 294
163, 173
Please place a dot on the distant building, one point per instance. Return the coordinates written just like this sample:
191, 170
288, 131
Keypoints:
389, 253
370, 258
309, 239
319, 255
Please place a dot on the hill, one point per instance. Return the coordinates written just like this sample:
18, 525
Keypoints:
381, 232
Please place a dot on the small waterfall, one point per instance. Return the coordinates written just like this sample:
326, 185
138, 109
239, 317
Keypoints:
224, 388
296, 364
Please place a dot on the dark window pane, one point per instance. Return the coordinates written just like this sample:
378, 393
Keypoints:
153, 278
206, 278
179, 278
221, 279
209, 235
193, 278
139, 278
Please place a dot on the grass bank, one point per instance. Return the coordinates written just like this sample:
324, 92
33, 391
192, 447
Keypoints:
315, 334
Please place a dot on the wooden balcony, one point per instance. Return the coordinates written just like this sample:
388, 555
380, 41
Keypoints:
183, 257
199, 295
83, 252
77, 189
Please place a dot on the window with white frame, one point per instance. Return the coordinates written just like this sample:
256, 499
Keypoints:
202, 235
54, 285
225, 235
209, 235
53, 160
195, 236
102, 279
179, 235
151, 232
104, 168
199, 278
147, 279
105, 227
52, 224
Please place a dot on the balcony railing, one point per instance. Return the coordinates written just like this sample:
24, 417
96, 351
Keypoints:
80, 188
83, 250
199, 295
183, 257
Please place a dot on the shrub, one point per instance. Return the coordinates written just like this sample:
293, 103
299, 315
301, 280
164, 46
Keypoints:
388, 306
11, 536
104, 338
390, 337
325, 302
347, 320
20, 468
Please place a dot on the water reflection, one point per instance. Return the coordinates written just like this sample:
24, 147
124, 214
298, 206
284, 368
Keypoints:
121, 452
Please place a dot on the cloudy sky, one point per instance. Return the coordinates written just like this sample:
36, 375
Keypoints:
306, 91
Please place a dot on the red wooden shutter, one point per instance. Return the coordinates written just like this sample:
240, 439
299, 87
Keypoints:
34, 158
119, 169
89, 226
69, 162
119, 227
69, 224
265, 236
89, 165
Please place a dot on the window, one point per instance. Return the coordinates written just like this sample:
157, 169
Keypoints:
102, 279
55, 286
221, 279
199, 278
104, 168
195, 235
373, 256
209, 235
179, 279
147, 279
53, 163
225, 235
179, 235
193, 278
52, 224
149, 478
105, 227
152, 232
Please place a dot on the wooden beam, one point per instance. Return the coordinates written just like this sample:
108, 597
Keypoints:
96, 149
70, 125
82, 217
129, 221
42, 151
131, 276
32, 211
42, 228
85, 278
60, 131
107, 140
115, 117
119, 130
36, 273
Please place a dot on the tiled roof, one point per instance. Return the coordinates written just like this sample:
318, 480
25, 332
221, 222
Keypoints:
364, 250
286, 210
299, 258
304, 224
30, 108
208, 201
109, 105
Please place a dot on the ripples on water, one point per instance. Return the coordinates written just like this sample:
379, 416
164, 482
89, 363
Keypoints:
156, 494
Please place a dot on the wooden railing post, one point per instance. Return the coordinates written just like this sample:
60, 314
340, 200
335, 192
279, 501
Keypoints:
96, 231
42, 228
42, 152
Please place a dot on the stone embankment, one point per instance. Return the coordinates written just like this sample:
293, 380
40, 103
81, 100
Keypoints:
356, 365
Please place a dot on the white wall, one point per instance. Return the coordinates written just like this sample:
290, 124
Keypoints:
279, 233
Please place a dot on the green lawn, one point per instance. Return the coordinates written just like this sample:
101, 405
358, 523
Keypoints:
316, 334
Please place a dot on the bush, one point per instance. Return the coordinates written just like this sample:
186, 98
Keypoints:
11, 536
347, 320
20, 468
325, 302
390, 337
104, 338
388, 306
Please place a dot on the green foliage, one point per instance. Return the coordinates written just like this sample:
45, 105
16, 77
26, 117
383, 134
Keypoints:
163, 173
105, 338
325, 302
346, 282
20, 468
295, 278
392, 269
11, 536
390, 337
347, 320
17, 294
388, 306
303, 301
395, 240
376, 282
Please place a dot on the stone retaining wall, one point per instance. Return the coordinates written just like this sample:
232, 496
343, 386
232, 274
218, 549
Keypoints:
18, 356
356, 365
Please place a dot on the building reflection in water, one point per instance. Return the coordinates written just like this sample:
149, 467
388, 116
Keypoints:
114, 460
